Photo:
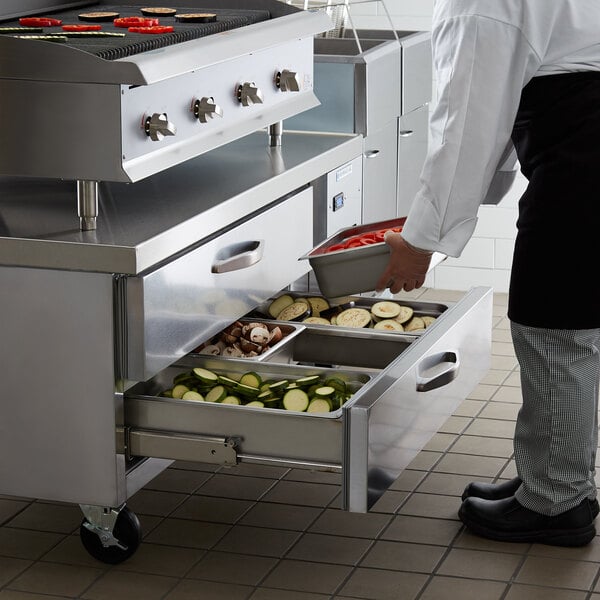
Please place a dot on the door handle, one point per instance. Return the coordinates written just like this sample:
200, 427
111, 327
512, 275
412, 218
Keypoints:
371, 153
437, 370
406, 133
238, 256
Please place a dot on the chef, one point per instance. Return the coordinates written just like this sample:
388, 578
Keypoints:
520, 79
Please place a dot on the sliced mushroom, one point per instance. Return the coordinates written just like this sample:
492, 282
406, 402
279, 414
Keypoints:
211, 349
259, 335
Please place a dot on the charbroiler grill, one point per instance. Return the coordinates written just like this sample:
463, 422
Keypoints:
115, 105
197, 230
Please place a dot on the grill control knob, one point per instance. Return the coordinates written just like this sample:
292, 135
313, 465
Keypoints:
158, 126
287, 81
248, 94
205, 109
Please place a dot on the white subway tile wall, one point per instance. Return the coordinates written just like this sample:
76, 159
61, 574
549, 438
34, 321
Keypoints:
486, 260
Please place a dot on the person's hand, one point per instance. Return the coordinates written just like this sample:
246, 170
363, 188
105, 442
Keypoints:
407, 267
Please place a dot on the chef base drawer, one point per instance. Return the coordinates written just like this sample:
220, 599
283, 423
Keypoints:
406, 386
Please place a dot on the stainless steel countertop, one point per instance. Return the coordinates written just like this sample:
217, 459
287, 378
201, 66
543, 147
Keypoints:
143, 224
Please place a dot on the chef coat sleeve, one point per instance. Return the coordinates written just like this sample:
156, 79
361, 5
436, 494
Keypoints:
504, 177
481, 66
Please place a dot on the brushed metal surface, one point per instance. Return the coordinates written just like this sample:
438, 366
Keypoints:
174, 308
142, 224
392, 420
58, 408
376, 433
45, 61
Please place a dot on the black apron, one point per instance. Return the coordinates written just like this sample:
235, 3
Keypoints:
555, 281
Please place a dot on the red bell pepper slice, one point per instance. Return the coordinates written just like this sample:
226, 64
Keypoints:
127, 22
154, 29
82, 27
39, 22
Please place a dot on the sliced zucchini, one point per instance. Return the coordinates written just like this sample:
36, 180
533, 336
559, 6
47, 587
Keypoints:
319, 405
297, 311
337, 383
388, 325
179, 390
205, 375
279, 386
428, 320
266, 395
354, 317
167, 393
325, 391
385, 309
308, 380
231, 400
193, 395
251, 379
186, 378
279, 304
296, 400
247, 390
265, 386
227, 381
216, 394
256, 404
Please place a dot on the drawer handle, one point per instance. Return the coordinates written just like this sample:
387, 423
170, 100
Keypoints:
437, 370
406, 132
371, 153
238, 256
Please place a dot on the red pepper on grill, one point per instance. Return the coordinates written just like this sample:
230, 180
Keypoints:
39, 22
82, 27
153, 29
135, 22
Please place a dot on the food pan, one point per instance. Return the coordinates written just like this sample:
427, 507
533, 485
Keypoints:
353, 270
420, 309
279, 348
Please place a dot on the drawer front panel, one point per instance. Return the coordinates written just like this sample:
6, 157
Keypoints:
400, 412
393, 413
173, 309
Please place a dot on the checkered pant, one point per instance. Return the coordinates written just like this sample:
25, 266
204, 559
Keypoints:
556, 435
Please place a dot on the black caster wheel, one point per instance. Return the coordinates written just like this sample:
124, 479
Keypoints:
127, 532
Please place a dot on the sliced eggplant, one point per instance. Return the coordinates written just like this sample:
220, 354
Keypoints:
385, 309
318, 304
428, 320
158, 11
316, 321
354, 317
279, 304
297, 311
98, 16
388, 325
415, 324
406, 314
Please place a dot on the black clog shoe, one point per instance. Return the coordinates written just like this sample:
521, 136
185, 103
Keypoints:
506, 520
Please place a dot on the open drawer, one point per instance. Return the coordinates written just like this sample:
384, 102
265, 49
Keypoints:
399, 402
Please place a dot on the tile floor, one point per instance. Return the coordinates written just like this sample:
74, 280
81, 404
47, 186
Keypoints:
267, 533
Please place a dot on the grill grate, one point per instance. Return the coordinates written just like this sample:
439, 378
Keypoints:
112, 48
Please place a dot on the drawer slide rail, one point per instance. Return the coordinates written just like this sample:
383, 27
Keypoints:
180, 446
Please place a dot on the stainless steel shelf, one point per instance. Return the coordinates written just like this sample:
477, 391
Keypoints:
145, 223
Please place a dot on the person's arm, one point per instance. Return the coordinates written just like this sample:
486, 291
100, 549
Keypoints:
482, 65
503, 178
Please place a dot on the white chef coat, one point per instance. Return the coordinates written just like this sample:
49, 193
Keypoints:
484, 53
